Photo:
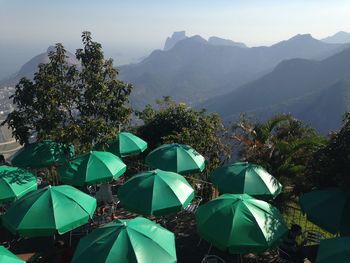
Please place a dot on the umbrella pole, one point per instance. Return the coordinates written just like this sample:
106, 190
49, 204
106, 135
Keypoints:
211, 245
70, 238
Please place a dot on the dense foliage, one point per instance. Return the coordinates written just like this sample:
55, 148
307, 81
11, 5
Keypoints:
330, 165
172, 122
79, 104
283, 145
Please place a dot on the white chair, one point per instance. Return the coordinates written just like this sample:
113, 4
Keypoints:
212, 259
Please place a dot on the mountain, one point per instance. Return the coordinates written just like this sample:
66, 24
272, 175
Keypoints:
308, 89
170, 42
30, 67
216, 41
195, 70
340, 37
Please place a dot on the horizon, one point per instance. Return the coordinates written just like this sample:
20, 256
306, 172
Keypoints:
138, 28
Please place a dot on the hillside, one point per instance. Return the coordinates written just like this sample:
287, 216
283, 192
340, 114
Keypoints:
296, 86
195, 70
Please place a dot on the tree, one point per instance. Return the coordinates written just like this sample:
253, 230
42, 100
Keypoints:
80, 104
283, 145
177, 123
330, 165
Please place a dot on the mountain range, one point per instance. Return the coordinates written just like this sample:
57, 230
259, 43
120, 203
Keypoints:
314, 91
302, 75
194, 70
30, 67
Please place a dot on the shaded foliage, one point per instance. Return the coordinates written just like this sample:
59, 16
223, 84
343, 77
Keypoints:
283, 145
177, 123
330, 165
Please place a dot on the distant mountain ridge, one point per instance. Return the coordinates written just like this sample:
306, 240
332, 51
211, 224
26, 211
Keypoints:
194, 70
30, 67
310, 90
341, 37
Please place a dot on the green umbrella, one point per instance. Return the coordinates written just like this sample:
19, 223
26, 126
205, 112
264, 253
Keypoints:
7, 257
92, 168
15, 183
178, 158
42, 154
125, 144
125, 241
334, 250
246, 178
45, 211
240, 224
329, 209
155, 193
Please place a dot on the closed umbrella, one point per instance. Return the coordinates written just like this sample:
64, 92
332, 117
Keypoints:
246, 178
125, 144
178, 158
127, 241
155, 193
7, 257
329, 209
42, 154
334, 250
49, 210
15, 183
240, 224
92, 168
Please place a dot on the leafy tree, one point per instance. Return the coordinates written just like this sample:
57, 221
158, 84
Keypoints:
173, 122
73, 104
177, 123
283, 145
330, 165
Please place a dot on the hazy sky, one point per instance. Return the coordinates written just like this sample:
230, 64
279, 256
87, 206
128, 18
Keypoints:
131, 28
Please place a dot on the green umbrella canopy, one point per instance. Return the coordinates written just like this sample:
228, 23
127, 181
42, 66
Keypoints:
329, 209
42, 154
178, 158
7, 257
127, 241
92, 168
125, 144
15, 183
334, 250
45, 211
155, 193
246, 178
240, 224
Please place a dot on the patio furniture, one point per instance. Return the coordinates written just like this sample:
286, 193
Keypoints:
192, 207
212, 259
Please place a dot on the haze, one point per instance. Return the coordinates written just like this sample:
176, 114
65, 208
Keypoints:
129, 30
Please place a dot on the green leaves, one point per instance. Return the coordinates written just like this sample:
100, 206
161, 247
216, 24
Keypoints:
79, 104
178, 123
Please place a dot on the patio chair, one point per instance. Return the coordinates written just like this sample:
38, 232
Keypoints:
192, 207
313, 237
212, 259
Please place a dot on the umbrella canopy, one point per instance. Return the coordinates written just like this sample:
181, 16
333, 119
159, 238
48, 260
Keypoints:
92, 168
127, 241
178, 158
45, 211
240, 224
155, 193
42, 154
125, 144
329, 209
7, 257
15, 183
246, 178
334, 250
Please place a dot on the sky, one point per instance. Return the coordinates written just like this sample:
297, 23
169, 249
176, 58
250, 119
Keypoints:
131, 29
